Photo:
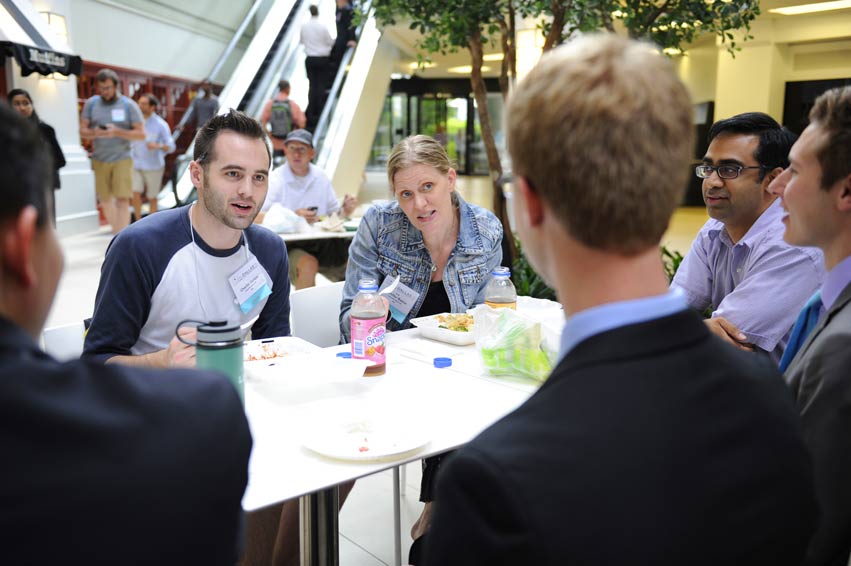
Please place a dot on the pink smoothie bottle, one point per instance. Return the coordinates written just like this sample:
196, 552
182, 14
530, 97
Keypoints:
368, 320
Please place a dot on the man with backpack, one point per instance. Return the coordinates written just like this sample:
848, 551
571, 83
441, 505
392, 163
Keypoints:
281, 116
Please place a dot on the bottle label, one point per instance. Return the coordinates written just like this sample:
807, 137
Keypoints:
368, 339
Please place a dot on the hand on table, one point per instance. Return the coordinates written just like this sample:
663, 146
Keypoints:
729, 332
307, 214
179, 354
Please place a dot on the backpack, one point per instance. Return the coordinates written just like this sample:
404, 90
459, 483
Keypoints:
281, 118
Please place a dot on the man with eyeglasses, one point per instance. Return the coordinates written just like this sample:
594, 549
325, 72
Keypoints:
305, 189
739, 268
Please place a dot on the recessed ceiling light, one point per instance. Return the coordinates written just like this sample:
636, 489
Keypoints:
810, 8
466, 69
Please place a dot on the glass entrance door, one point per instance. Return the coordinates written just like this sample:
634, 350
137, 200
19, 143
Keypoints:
444, 110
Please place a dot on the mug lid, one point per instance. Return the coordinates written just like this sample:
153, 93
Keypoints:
219, 331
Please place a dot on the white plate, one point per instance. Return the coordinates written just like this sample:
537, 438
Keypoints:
365, 440
273, 348
430, 328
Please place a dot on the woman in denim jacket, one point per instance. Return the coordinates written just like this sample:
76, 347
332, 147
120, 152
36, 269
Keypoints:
440, 246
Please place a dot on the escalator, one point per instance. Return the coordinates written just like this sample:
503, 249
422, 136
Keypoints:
272, 52
362, 81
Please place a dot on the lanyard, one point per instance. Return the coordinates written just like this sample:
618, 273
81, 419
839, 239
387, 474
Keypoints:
195, 260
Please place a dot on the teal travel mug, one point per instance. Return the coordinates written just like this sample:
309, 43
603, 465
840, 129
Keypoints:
219, 347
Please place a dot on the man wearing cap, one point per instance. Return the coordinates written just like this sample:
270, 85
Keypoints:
306, 190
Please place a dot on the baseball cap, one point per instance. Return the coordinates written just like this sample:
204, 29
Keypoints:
302, 136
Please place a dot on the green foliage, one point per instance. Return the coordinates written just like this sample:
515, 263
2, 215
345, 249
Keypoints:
529, 283
446, 25
671, 260
667, 23
526, 280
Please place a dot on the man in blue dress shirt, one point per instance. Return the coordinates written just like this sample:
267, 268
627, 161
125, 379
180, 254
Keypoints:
149, 155
652, 441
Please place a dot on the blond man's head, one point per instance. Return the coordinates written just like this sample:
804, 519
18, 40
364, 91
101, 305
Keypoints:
602, 130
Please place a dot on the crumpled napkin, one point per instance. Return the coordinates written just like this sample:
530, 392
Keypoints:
332, 224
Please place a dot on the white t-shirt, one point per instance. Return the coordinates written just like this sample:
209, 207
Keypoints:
294, 192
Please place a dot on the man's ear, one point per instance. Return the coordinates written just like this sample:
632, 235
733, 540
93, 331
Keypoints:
196, 173
844, 195
17, 247
770, 176
534, 206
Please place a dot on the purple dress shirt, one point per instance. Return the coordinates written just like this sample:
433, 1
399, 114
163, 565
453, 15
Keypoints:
759, 284
836, 281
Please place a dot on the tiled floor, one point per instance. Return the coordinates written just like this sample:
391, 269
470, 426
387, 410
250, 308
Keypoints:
366, 520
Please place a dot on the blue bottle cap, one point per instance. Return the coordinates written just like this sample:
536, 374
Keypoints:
346, 355
442, 362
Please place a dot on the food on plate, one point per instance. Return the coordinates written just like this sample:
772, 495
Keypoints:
461, 322
263, 352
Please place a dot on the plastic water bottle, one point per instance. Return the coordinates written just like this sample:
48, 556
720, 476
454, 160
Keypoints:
500, 292
368, 326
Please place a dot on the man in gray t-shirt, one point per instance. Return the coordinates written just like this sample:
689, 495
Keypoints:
112, 120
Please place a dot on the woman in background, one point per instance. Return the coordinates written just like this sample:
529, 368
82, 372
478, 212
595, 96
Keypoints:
439, 246
22, 102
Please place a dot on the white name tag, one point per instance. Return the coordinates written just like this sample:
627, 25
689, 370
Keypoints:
402, 298
119, 115
248, 283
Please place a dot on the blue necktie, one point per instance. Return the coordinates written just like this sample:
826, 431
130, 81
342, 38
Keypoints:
807, 320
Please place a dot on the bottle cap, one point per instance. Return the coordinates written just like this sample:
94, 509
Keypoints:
442, 362
346, 355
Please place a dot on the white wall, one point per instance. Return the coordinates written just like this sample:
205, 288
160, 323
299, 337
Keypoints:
56, 103
138, 35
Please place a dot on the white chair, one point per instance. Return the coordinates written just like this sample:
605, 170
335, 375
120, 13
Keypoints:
64, 342
316, 314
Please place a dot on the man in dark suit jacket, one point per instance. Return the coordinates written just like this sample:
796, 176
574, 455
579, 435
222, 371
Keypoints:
816, 193
101, 464
652, 442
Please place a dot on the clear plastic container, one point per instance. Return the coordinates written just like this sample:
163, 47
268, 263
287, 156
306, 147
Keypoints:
368, 326
500, 292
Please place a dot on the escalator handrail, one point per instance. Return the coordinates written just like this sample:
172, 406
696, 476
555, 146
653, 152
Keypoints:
240, 31
262, 42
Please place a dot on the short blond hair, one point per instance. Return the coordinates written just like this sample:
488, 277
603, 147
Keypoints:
417, 150
602, 130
